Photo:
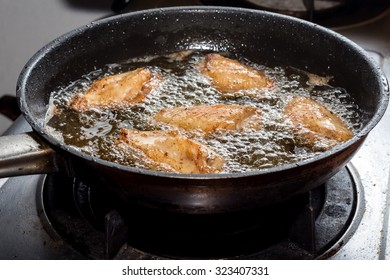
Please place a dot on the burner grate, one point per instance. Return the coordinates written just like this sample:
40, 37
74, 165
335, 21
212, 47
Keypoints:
329, 13
309, 227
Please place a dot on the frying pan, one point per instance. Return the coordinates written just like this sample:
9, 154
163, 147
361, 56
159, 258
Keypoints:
266, 38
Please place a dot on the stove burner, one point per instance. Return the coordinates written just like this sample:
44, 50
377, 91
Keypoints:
329, 13
312, 226
297, 6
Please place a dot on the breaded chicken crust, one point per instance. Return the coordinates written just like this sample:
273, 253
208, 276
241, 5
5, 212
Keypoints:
212, 118
315, 125
173, 152
117, 90
229, 75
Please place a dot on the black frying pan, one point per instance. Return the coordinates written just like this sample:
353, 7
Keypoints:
262, 37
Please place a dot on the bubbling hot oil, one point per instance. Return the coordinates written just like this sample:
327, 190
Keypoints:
94, 132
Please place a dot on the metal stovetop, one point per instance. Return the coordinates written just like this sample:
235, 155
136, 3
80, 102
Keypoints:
27, 239
372, 238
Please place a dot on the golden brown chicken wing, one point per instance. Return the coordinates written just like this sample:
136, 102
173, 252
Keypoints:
315, 125
173, 152
228, 75
212, 118
116, 90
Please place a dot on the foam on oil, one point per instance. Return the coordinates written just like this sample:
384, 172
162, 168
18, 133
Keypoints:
95, 131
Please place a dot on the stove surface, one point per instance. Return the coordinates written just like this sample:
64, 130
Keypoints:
371, 241
28, 239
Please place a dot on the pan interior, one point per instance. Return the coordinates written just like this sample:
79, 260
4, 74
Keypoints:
96, 131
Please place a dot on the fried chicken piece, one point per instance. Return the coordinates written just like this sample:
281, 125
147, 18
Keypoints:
228, 75
212, 118
315, 125
173, 152
117, 90
180, 56
315, 80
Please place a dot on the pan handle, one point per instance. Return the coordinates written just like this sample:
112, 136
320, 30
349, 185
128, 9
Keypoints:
25, 154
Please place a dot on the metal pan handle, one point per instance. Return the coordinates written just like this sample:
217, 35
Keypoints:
25, 154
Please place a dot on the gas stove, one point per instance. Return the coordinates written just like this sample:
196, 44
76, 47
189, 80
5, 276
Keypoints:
346, 218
